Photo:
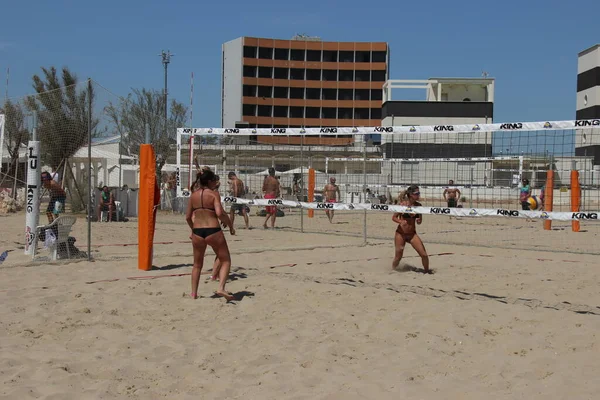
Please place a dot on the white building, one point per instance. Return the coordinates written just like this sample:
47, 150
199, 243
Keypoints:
587, 142
448, 102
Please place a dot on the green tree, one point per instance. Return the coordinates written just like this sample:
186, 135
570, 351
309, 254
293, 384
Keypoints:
62, 114
144, 109
15, 136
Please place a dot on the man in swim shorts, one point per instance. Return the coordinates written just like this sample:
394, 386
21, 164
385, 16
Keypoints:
56, 205
451, 194
331, 193
271, 190
238, 191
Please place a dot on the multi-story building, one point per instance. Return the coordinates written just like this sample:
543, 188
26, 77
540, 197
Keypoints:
587, 143
303, 82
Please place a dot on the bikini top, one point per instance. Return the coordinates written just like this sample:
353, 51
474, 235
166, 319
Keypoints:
202, 204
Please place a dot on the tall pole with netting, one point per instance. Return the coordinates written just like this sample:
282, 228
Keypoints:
166, 59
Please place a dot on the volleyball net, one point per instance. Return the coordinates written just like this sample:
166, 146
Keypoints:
483, 164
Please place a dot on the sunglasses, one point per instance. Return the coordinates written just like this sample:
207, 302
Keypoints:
417, 193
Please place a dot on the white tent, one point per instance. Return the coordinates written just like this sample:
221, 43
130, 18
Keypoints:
266, 172
299, 170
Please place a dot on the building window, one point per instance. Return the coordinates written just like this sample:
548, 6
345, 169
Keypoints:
265, 91
281, 73
328, 113
330, 74
379, 57
346, 76
296, 112
250, 51
249, 110
346, 56
313, 74
378, 76
329, 94
361, 113
362, 76
361, 94
363, 56
345, 94
297, 55
312, 112
344, 113
280, 92
265, 111
376, 113
296, 93
297, 74
265, 53
313, 94
249, 91
250, 71
265, 72
280, 112
330, 55
282, 54
376, 94
313, 55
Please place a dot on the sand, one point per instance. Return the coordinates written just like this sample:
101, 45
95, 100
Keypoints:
316, 316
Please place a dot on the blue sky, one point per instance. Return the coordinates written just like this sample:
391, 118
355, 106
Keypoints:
530, 47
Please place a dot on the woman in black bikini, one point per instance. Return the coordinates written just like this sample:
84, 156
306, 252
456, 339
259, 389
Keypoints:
407, 230
203, 215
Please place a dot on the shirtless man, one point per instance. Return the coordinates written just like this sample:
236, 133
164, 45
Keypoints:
57, 197
451, 194
271, 190
331, 192
237, 190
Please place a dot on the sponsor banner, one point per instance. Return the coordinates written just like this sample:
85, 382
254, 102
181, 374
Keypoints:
390, 130
455, 212
32, 202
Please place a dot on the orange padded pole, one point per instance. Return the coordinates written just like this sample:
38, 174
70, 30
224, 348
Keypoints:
575, 198
311, 190
549, 197
149, 198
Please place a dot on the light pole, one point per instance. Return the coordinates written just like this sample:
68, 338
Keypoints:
166, 59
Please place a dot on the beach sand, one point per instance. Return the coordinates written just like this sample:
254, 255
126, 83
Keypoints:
316, 316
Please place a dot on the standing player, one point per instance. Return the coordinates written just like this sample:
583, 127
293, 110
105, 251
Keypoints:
524, 194
58, 197
451, 194
407, 230
238, 191
271, 190
331, 192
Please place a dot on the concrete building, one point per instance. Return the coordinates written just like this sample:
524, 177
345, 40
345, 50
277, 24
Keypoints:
448, 102
587, 142
303, 82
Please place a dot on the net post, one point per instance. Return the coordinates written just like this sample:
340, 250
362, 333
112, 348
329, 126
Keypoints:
575, 195
178, 191
32, 215
89, 175
365, 188
549, 196
302, 182
311, 190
